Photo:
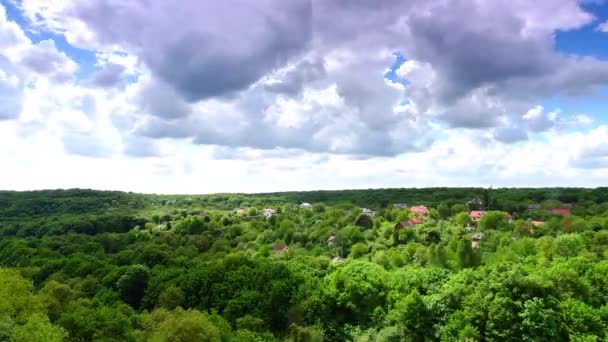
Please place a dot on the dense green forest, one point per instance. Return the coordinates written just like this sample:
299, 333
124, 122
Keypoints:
478, 265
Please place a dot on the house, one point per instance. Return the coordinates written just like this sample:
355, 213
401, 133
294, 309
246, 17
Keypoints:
537, 223
420, 210
408, 223
400, 206
476, 215
368, 212
305, 205
241, 212
567, 205
331, 240
268, 213
337, 259
557, 211
533, 206
280, 248
475, 240
476, 201
469, 228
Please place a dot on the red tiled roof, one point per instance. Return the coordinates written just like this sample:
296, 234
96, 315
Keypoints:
416, 220
279, 248
476, 213
420, 209
538, 223
561, 211
331, 238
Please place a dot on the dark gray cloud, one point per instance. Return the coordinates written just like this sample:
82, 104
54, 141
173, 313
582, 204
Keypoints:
109, 75
204, 48
295, 79
161, 100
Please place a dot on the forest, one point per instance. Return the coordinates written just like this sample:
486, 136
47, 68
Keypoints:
377, 265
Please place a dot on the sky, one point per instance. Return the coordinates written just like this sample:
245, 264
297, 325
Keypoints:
274, 95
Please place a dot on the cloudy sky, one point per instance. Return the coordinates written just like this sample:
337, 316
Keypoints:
268, 95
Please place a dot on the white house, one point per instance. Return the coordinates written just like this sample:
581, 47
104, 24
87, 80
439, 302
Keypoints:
368, 212
268, 213
305, 205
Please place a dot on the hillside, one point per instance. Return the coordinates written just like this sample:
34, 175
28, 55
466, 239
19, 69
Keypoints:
84, 265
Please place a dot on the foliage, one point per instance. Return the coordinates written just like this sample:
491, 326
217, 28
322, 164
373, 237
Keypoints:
83, 265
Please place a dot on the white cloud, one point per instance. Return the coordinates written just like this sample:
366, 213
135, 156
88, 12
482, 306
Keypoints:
278, 115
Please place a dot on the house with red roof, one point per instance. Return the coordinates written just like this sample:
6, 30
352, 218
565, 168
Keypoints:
559, 211
420, 210
280, 248
408, 223
476, 215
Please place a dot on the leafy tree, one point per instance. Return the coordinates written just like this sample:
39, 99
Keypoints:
171, 298
364, 221
569, 245
38, 329
132, 284
358, 288
443, 210
179, 326
462, 219
494, 220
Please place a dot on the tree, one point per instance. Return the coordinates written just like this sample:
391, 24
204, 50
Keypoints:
38, 329
358, 250
494, 220
462, 219
457, 209
443, 210
171, 298
466, 255
17, 302
364, 221
568, 245
358, 287
539, 322
413, 316
132, 284
179, 326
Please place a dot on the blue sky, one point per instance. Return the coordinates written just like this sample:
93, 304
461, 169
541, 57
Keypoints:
122, 96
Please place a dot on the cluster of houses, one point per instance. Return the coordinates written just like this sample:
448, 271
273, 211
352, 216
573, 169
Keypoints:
420, 212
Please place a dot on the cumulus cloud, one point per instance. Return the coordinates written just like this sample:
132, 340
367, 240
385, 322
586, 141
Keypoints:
108, 75
45, 59
11, 89
603, 27
286, 74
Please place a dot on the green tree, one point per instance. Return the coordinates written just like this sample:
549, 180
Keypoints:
38, 329
171, 298
568, 245
443, 210
132, 284
179, 326
359, 288
364, 221
462, 219
494, 220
